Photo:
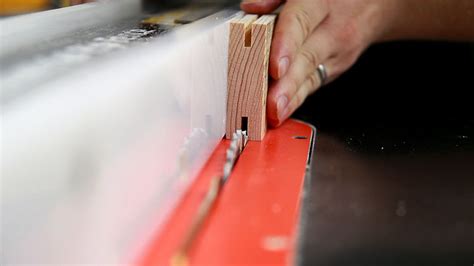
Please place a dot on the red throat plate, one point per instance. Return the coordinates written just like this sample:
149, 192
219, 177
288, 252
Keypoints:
255, 218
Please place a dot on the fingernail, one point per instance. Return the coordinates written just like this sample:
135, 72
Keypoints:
285, 115
281, 107
283, 66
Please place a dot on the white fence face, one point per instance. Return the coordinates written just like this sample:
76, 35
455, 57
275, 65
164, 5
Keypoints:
93, 161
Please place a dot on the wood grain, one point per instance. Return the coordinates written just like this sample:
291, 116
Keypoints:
249, 47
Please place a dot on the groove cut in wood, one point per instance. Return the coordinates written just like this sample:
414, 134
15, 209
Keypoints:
247, 81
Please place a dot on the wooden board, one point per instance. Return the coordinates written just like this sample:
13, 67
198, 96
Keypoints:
249, 47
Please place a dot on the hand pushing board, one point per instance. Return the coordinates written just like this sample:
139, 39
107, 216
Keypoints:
249, 47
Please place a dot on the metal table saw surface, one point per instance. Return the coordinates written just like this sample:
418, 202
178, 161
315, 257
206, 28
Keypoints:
392, 180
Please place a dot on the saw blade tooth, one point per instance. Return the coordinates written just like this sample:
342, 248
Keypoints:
245, 137
233, 145
229, 155
226, 171
234, 136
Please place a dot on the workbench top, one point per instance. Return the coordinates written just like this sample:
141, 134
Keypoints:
392, 177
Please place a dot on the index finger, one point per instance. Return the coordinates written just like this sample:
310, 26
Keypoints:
260, 6
296, 22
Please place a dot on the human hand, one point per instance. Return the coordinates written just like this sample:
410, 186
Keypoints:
312, 32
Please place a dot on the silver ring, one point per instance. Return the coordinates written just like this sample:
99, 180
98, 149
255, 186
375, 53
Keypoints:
323, 74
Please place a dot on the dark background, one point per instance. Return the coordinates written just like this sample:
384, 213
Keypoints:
392, 178
413, 89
